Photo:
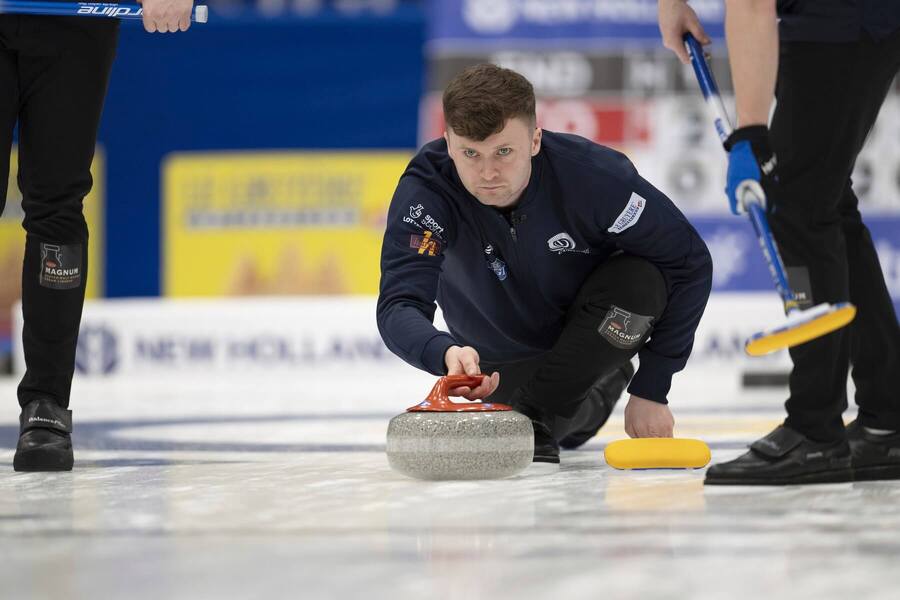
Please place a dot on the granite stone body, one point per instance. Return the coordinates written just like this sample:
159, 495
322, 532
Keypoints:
460, 445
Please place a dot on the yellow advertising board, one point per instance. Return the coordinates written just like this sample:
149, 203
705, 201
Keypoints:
275, 223
12, 238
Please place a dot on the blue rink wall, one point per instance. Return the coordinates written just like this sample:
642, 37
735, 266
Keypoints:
247, 82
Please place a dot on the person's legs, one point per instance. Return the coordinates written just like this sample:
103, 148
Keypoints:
9, 106
594, 408
874, 355
817, 143
828, 97
63, 77
625, 294
875, 332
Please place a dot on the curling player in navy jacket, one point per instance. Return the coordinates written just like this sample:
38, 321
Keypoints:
553, 261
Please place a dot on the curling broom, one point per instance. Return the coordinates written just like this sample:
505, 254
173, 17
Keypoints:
114, 10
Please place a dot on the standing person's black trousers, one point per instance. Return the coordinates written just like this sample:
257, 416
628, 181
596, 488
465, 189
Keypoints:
829, 95
53, 80
624, 295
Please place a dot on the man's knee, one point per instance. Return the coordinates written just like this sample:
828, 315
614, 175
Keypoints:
64, 223
629, 283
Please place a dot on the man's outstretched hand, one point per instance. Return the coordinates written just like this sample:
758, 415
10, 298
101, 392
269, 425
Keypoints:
464, 360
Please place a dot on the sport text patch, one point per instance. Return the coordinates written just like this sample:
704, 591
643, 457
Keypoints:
60, 266
624, 329
630, 215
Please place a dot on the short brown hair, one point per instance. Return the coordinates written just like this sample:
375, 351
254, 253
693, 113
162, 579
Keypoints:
481, 99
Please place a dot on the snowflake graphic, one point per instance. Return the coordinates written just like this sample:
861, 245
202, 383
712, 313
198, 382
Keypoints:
729, 255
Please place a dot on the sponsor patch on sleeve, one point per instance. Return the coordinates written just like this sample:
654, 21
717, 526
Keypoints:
630, 215
425, 244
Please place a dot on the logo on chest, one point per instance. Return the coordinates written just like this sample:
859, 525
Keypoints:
563, 242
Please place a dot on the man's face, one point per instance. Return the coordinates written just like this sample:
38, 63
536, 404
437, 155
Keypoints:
496, 170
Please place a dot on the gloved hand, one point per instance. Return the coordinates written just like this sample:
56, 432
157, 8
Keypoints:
751, 168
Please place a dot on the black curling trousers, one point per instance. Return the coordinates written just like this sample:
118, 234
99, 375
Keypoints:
829, 95
611, 318
53, 80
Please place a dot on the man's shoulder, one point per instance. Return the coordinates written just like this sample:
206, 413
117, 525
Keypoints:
572, 152
431, 173
431, 162
428, 183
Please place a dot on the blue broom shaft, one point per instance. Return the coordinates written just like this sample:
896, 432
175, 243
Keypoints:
708, 87
723, 128
117, 10
773, 257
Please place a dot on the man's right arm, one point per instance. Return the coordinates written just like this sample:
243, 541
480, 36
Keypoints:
411, 258
751, 29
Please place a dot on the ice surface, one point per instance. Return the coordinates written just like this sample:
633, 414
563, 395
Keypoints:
281, 489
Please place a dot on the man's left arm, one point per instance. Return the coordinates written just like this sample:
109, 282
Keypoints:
643, 222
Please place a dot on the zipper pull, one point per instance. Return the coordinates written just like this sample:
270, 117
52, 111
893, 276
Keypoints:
512, 232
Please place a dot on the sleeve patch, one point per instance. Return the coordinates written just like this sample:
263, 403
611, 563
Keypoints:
630, 215
425, 244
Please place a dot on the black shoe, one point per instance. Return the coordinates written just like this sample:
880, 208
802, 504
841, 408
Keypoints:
44, 440
595, 410
875, 457
785, 457
546, 450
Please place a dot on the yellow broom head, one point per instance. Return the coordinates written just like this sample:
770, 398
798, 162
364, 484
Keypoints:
800, 327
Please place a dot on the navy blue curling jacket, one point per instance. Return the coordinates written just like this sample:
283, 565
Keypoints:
505, 282
837, 20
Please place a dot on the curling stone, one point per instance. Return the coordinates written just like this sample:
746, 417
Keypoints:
440, 439
657, 453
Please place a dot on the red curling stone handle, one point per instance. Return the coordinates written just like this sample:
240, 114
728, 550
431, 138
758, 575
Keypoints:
438, 399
